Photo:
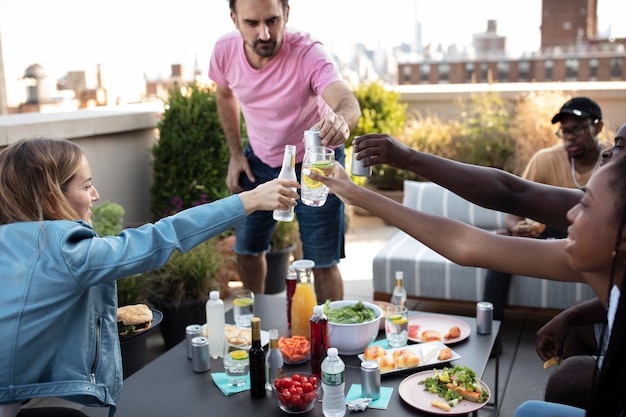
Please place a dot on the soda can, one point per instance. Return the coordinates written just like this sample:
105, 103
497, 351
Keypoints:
312, 138
357, 166
191, 331
200, 361
370, 379
484, 317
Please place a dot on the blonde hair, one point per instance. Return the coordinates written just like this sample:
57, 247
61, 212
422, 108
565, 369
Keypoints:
34, 174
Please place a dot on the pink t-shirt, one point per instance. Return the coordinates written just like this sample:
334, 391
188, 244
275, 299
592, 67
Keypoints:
282, 100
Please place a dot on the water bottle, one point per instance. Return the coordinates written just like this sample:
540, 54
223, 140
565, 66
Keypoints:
333, 384
273, 361
215, 324
398, 297
287, 172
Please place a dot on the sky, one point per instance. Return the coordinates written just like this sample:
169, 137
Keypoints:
132, 39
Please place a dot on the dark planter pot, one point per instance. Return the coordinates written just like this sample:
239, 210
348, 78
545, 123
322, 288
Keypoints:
177, 316
134, 347
277, 268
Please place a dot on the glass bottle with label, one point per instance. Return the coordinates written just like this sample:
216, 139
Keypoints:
398, 296
319, 339
257, 361
288, 172
303, 299
273, 361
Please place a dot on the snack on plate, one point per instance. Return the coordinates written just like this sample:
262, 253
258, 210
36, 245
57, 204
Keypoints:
233, 331
428, 352
414, 331
374, 352
133, 319
532, 227
453, 333
440, 404
431, 336
386, 363
445, 354
455, 384
551, 362
405, 358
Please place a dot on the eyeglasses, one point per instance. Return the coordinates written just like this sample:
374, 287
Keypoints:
562, 133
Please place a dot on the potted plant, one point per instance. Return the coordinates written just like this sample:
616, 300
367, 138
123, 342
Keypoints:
181, 287
283, 244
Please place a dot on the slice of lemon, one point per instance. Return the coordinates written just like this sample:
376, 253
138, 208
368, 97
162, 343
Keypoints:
239, 355
397, 319
242, 302
311, 183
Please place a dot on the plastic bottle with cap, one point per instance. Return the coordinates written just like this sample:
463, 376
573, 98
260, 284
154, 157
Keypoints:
215, 324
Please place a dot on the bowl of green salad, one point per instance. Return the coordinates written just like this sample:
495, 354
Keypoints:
352, 325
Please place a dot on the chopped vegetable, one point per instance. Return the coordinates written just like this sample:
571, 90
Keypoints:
455, 384
353, 314
294, 349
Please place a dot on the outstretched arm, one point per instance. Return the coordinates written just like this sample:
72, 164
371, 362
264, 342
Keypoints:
487, 187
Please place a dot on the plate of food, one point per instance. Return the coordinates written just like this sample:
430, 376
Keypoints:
409, 356
425, 391
136, 319
444, 329
232, 330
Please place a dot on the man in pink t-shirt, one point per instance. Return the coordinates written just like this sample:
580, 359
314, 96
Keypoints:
284, 83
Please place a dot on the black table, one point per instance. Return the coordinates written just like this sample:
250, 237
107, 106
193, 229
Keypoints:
168, 387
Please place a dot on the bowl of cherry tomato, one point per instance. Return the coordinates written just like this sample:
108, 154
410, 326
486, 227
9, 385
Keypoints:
296, 392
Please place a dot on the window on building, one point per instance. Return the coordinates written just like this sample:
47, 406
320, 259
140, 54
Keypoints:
469, 72
571, 69
593, 69
406, 73
616, 68
523, 69
549, 67
444, 73
425, 73
484, 69
503, 71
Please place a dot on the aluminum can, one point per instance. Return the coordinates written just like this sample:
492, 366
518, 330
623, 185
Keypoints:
484, 317
191, 331
312, 138
357, 167
370, 379
200, 361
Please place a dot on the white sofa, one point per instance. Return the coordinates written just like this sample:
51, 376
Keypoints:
428, 275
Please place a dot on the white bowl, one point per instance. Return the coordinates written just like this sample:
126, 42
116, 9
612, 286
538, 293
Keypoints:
352, 339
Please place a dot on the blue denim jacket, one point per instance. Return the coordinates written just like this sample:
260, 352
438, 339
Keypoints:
58, 314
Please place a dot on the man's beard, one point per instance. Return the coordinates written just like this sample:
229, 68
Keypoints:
267, 49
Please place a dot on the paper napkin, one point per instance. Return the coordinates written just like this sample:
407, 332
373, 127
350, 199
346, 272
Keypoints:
381, 403
221, 380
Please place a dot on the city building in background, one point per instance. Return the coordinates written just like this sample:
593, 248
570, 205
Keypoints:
571, 50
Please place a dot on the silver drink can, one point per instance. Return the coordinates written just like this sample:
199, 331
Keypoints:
312, 138
191, 331
200, 361
484, 317
357, 167
370, 379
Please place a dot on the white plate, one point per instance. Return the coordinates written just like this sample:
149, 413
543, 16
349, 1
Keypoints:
417, 349
416, 396
441, 324
243, 331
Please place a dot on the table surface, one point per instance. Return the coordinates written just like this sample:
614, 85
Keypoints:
168, 387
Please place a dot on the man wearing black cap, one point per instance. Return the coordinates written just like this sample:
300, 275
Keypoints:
568, 164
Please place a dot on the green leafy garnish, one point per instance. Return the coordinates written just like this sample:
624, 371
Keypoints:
353, 314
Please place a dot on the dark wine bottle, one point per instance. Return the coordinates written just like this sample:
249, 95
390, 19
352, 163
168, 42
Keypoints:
257, 361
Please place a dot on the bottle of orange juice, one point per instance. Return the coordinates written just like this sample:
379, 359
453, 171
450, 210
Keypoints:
303, 299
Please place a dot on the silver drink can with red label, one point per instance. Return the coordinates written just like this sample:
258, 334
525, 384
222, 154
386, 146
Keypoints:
484, 317
191, 331
312, 138
370, 379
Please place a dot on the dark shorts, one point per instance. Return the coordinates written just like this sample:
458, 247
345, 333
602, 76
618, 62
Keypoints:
321, 228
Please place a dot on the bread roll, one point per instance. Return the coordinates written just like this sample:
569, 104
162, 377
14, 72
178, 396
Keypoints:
431, 336
386, 363
374, 352
406, 359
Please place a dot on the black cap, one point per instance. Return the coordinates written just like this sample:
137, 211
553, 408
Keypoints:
580, 107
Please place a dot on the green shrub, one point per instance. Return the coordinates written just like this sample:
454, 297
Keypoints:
191, 155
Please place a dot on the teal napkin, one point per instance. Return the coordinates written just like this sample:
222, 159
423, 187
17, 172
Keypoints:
382, 343
221, 380
381, 403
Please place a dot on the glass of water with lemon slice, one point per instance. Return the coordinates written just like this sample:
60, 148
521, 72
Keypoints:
397, 326
243, 307
318, 159
236, 360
